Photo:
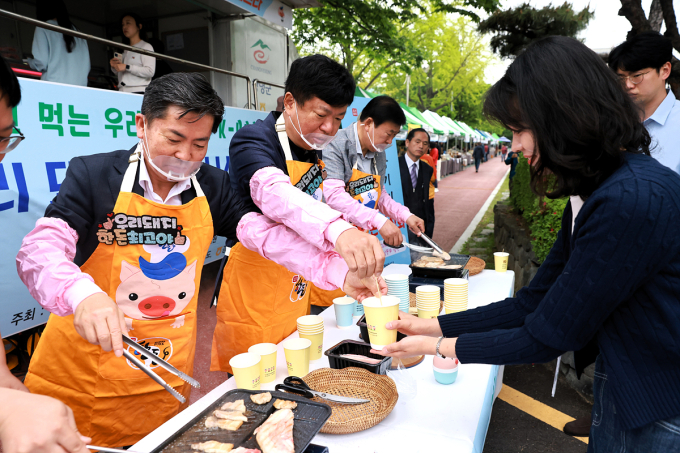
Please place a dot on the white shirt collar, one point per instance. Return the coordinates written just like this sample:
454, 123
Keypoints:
370, 154
409, 162
661, 113
173, 197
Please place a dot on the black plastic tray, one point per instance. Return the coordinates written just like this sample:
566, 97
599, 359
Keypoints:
440, 274
310, 417
364, 331
356, 347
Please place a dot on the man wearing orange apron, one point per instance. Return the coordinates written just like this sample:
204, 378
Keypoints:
28, 422
356, 167
275, 168
121, 250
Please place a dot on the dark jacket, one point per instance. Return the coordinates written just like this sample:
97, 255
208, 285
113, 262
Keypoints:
478, 152
512, 161
416, 200
92, 185
257, 146
616, 278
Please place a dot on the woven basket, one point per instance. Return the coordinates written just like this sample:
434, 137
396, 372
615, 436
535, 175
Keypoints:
357, 383
475, 265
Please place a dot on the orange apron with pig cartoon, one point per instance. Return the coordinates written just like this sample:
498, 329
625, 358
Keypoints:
149, 261
365, 188
260, 300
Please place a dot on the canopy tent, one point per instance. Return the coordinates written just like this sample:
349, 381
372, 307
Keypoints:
455, 127
503, 139
437, 120
360, 92
495, 137
416, 113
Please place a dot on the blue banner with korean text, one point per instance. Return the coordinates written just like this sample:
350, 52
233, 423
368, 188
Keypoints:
61, 122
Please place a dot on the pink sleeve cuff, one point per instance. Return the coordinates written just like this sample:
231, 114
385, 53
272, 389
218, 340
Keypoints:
280, 201
353, 211
392, 209
278, 243
335, 229
45, 265
81, 290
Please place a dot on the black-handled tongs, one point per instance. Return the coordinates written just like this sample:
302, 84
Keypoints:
141, 350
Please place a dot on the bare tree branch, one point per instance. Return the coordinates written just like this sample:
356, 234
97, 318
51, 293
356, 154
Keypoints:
671, 23
379, 73
632, 10
358, 76
655, 15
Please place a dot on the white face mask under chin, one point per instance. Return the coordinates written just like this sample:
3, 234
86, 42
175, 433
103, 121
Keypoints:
379, 148
172, 168
314, 140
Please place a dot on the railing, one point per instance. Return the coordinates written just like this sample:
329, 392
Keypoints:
78, 34
255, 82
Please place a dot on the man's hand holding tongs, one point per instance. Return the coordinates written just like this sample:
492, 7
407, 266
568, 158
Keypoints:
100, 321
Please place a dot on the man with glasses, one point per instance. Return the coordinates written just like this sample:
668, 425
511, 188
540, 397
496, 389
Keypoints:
643, 63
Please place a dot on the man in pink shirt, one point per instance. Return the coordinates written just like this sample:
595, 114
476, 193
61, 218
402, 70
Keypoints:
121, 248
358, 154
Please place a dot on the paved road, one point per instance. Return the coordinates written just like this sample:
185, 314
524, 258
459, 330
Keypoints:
461, 196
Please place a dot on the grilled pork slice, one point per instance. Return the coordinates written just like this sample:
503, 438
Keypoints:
275, 435
212, 446
238, 405
261, 398
246, 450
285, 404
230, 415
230, 425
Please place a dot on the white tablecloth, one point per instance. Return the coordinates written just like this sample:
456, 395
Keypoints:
439, 418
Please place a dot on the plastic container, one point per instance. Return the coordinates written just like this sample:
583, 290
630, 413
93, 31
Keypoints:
356, 347
364, 330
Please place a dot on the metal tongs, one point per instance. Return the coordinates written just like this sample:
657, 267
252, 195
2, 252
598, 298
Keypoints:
416, 248
142, 351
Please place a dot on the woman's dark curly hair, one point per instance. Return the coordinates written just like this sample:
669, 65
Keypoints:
581, 118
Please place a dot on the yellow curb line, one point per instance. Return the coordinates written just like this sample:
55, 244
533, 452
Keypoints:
536, 409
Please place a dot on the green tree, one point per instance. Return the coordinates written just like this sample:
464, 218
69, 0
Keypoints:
515, 28
450, 78
368, 34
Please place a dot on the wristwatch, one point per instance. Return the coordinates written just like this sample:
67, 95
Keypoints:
439, 343
127, 67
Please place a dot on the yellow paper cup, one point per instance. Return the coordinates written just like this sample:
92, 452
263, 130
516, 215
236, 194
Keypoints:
246, 368
297, 356
316, 349
309, 321
377, 315
428, 314
267, 353
501, 260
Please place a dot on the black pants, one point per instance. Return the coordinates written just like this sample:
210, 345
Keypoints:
477, 162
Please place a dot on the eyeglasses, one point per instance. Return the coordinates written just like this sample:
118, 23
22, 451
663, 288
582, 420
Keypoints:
7, 144
634, 79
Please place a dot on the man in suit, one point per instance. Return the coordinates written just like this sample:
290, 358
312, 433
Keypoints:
121, 249
415, 181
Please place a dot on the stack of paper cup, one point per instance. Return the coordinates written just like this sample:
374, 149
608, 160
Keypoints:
397, 286
311, 327
428, 301
455, 295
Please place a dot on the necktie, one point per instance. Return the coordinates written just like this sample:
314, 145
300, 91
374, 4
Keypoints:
414, 175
